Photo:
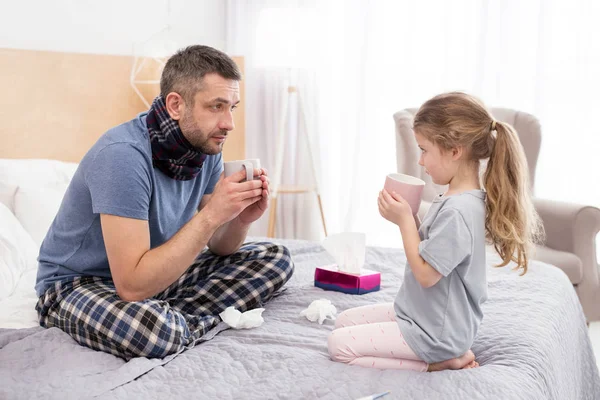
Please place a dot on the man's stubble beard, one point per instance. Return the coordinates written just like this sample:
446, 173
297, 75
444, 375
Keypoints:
197, 138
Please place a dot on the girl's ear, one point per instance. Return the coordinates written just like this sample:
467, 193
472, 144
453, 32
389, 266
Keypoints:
457, 153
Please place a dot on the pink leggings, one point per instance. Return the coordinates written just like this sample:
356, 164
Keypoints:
369, 336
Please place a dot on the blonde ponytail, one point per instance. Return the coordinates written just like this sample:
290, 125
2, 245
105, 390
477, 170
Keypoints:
512, 223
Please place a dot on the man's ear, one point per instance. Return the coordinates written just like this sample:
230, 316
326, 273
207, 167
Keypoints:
174, 103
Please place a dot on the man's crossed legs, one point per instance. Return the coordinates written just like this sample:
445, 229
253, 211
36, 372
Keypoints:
89, 309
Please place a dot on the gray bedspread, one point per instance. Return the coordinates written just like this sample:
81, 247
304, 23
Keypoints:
533, 344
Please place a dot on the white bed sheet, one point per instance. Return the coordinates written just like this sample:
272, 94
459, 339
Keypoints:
18, 310
30, 192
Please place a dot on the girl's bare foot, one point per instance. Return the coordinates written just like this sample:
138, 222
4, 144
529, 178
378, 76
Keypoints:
473, 364
465, 361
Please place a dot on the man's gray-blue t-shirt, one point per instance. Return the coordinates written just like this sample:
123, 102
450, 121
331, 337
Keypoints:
116, 177
441, 322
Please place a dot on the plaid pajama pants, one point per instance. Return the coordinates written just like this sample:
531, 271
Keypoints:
89, 309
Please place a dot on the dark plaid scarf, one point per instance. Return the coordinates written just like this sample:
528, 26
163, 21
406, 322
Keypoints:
171, 151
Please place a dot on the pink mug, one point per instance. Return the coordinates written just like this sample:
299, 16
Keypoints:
409, 187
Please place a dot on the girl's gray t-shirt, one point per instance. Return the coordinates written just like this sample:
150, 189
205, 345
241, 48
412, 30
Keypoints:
441, 322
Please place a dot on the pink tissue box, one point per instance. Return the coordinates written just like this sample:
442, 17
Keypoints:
329, 278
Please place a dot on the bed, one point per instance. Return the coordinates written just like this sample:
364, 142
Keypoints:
533, 343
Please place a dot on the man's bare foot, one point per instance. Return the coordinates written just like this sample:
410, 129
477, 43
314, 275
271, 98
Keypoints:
465, 361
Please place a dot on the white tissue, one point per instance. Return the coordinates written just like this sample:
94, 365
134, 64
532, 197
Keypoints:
246, 320
319, 310
348, 250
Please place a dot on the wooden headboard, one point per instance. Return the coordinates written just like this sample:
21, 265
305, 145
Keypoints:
55, 105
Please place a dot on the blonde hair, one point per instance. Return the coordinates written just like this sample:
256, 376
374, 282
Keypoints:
453, 120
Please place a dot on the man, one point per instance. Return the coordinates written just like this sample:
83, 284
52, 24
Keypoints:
122, 268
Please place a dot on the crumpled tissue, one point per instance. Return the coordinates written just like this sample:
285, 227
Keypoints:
348, 249
319, 310
245, 320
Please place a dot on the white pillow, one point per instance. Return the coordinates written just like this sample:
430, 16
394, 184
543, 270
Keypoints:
18, 252
32, 173
36, 207
35, 172
7, 195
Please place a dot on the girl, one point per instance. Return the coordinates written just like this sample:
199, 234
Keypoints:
433, 322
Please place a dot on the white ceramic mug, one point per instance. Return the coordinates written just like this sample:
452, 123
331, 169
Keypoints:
231, 167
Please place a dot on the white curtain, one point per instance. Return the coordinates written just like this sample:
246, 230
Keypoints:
265, 88
378, 57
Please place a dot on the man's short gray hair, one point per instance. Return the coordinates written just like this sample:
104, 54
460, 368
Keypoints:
185, 70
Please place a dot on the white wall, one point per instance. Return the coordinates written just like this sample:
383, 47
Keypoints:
109, 26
